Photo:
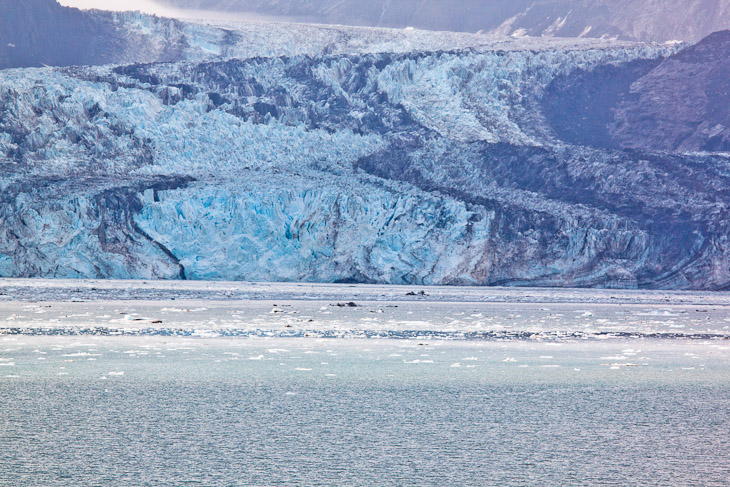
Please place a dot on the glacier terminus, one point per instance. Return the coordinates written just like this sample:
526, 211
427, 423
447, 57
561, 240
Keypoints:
294, 152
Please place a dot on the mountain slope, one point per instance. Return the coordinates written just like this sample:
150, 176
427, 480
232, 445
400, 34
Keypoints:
644, 20
40, 32
37, 32
683, 103
676, 104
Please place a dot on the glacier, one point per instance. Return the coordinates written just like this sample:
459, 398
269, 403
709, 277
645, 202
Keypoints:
278, 152
642, 20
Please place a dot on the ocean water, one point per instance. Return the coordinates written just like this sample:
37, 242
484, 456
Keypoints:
100, 399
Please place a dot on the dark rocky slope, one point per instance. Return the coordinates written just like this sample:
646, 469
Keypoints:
683, 104
676, 104
38, 32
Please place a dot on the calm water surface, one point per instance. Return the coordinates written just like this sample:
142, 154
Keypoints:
86, 411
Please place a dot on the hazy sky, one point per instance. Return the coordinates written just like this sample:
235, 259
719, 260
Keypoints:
147, 6
151, 7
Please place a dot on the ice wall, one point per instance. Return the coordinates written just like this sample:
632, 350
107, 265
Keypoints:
344, 160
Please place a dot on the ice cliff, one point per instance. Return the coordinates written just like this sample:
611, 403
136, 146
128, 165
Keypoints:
352, 155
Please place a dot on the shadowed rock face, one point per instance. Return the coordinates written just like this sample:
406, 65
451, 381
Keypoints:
581, 107
645, 20
676, 104
683, 104
38, 32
